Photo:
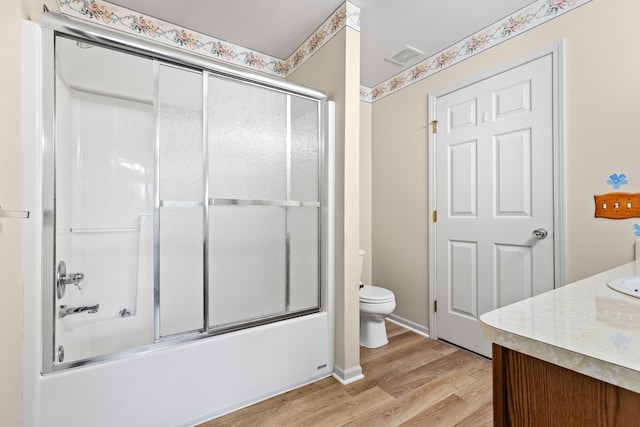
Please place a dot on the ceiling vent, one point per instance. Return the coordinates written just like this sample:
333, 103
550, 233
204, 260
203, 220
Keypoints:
404, 55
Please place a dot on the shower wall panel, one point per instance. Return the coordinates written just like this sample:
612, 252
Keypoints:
104, 181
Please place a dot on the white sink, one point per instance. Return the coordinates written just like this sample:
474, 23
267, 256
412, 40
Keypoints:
629, 285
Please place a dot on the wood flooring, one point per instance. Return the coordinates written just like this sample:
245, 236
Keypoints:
412, 381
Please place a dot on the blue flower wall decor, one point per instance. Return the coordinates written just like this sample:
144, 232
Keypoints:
616, 180
636, 229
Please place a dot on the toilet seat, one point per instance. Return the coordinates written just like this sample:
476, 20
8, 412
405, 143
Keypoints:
375, 295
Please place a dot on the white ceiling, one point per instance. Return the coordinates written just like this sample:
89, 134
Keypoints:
279, 27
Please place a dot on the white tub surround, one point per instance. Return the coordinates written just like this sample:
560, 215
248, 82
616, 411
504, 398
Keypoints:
585, 327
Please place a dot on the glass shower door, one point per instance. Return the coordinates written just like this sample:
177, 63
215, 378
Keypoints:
264, 203
184, 203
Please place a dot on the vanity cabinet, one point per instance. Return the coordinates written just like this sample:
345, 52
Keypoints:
568, 357
531, 392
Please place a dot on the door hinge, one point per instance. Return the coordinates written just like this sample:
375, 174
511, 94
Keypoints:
434, 126
435, 306
434, 217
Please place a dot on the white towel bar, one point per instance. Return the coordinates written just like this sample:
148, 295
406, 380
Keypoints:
13, 214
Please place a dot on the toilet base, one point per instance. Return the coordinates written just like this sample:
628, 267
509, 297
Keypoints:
373, 331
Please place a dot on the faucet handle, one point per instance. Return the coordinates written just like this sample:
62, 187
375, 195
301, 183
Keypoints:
75, 278
62, 279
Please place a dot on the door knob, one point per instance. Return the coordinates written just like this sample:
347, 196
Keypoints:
540, 233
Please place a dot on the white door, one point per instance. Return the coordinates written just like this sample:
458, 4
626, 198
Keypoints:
494, 198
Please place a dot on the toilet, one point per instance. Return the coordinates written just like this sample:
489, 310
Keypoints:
376, 303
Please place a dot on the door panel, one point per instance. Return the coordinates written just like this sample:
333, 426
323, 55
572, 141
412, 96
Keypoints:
513, 173
463, 188
513, 100
462, 115
494, 157
463, 278
514, 273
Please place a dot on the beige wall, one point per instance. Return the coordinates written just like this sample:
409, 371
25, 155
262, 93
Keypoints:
399, 202
335, 70
10, 229
601, 116
365, 188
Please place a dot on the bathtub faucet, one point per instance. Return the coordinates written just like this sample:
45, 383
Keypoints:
65, 311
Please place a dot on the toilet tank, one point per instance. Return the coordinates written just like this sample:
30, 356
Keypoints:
362, 253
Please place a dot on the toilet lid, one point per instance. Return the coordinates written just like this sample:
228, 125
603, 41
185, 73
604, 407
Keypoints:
375, 294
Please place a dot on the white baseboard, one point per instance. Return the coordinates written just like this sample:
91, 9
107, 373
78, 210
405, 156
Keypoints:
349, 376
412, 326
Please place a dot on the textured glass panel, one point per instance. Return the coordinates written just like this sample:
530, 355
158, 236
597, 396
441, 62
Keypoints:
246, 263
305, 138
180, 95
181, 270
247, 141
303, 240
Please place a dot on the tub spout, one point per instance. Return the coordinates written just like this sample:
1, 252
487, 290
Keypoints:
65, 311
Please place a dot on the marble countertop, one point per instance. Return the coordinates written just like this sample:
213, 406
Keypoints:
584, 326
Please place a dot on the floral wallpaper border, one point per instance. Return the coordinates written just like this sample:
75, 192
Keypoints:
347, 14
122, 19
525, 19
119, 18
